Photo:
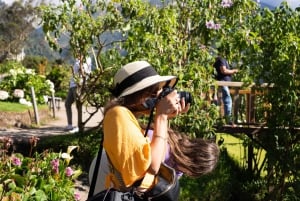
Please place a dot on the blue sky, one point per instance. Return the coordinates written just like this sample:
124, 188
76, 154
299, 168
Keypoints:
271, 3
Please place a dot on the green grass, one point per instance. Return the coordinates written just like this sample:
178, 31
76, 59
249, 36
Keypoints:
234, 147
238, 151
15, 107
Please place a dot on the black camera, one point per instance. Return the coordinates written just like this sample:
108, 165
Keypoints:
150, 103
188, 98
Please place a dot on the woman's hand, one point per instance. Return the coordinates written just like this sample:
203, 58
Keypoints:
167, 107
182, 107
171, 105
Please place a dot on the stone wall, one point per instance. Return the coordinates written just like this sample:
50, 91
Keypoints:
22, 119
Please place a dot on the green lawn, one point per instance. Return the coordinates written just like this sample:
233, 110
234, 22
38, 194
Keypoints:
15, 107
238, 151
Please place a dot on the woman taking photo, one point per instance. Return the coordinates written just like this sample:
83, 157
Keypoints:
136, 159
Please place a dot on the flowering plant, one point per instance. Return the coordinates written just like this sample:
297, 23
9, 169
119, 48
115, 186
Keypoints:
18, 93
46, 176
51, 85
3, 95
226, 3
19, 81
23, 101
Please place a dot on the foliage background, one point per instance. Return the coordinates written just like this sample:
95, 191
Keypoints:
183, 38
177, 37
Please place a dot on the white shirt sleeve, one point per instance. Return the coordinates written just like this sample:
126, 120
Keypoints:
87, 66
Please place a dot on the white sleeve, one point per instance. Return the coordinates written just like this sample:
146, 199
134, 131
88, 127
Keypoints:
87, 66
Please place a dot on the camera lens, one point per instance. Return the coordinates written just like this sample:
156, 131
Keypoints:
187, 96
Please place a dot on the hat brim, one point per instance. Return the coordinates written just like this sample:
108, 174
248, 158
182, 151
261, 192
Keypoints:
149, 81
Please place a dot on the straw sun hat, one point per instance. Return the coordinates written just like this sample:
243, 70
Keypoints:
136, 76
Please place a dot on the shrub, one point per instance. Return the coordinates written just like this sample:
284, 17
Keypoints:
38, 63
3, 95
88, 143
60, 74
23, 79
46, 176
7, 65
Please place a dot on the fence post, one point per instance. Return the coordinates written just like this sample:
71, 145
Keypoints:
236, 105
36, 113
53, 104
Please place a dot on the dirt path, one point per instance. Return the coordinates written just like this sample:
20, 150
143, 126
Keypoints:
55, 126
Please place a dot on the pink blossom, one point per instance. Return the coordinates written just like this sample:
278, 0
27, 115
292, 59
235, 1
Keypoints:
226, 3
77, 196
210, 24
69, 171
217, 26
7, 142
16, 161
55, 165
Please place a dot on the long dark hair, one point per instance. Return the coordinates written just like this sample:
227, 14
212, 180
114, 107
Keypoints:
193, 156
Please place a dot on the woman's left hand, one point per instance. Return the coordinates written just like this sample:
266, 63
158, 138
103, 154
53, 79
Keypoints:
182, 107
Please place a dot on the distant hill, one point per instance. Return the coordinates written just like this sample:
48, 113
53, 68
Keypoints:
38, 46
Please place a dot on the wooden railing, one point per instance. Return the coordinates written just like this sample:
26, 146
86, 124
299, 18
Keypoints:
253, 126
250, 127
237, 90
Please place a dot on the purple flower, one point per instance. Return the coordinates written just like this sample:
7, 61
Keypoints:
217, 26
55, 165
16, 161
77, 196
69, 171
226, 3
210, 24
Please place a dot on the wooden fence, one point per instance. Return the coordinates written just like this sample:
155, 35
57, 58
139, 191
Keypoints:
249, 126
238, 91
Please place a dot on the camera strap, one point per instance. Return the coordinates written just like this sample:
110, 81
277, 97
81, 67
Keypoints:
149, 122
152, 108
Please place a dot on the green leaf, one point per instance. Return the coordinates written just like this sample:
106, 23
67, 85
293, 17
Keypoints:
41, 196
20, 180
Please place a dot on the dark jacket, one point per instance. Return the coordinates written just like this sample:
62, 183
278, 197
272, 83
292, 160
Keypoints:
217, 65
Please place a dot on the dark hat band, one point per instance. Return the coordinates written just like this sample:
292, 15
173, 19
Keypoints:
133, 79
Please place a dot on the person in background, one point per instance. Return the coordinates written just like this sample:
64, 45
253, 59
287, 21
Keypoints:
136, 91
224, 73
71, 96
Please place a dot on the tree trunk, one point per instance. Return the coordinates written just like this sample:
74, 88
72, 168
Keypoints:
80, 123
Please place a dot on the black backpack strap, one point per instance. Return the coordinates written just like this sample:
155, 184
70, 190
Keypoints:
96, 170
97, 165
